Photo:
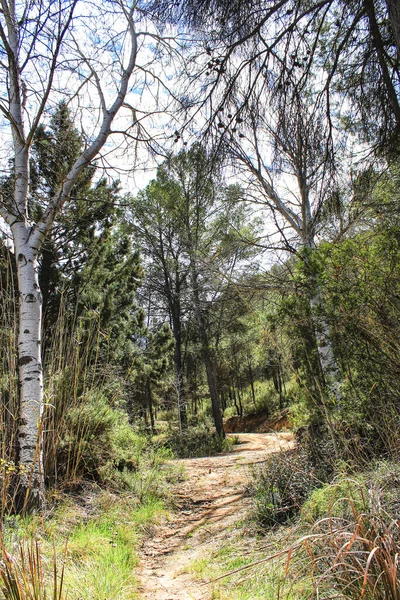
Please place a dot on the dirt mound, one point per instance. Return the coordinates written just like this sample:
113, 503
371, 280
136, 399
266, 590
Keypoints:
257, 423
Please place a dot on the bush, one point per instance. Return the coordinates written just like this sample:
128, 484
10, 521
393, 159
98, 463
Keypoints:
195, 442
281, 486
352, 543
339, 499
85, 444
137, 465
327, 447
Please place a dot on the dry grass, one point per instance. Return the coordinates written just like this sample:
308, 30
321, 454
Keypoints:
355, 559
24, 577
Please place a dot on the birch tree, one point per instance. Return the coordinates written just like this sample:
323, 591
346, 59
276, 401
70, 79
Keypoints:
85, 53
290, 157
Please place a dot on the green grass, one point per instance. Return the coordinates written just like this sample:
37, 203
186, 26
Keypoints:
232, 576
97, 545
93, 536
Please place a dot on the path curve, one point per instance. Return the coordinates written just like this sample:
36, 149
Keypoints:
209, 503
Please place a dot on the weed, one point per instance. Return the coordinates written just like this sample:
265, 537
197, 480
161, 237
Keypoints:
332, 500
239, 571
96, 548
357, 558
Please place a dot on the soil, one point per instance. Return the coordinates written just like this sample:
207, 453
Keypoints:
257, 423
210, 502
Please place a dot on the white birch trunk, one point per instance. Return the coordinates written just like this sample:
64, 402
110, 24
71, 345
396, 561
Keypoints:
326, 356
28, 237
30, 371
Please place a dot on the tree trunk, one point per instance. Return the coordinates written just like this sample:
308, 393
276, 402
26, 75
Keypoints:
327, 360
180, 392
232, 396
31, 488
28, 236
376, 38
207, 357
150, 405
223, 402
212, 387
394, 16
326, 370
239, 396
253, 394
195, 390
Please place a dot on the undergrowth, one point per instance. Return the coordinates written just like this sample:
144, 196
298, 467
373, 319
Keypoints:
280, 486
195, 442
80, 552
86, 546
344, 542
238, 570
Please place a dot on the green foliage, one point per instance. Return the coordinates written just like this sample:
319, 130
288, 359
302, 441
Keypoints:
86, 551
354, 538
101, 556
192, 229
362, 280
239, 569
138, 465
87, 442
338, 499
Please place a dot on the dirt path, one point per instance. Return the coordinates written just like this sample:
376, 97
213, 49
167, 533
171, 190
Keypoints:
209, 503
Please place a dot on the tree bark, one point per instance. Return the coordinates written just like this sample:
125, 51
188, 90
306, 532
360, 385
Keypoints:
380, 51
326, 367
178, 364
31, 485
212, 387
205, 345
327, 360
150, 405
253, 393
27, 236
208, 359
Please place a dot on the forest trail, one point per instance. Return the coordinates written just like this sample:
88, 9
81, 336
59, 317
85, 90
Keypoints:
209, 503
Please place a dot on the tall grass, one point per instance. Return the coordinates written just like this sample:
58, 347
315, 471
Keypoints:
78, 402
354, 548
87, 438
8, 383
82, 553
23, 577
363, 556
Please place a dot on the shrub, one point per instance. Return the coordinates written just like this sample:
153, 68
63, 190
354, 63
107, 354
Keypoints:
338, 499
375, 490
352, 546
86, 441
195, 442
281, 486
